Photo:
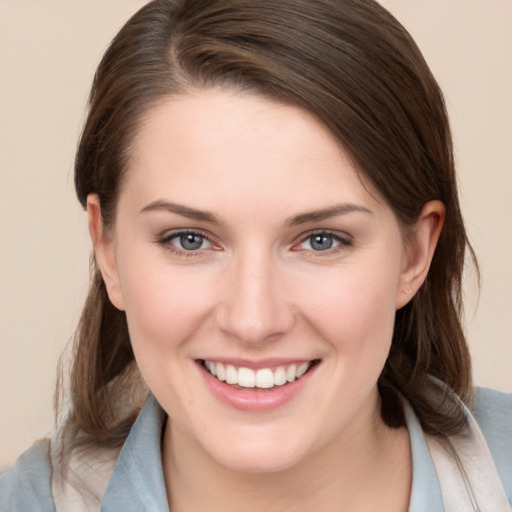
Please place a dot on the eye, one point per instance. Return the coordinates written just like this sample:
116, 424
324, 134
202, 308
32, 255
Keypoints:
191, 241
188, 241
323, 241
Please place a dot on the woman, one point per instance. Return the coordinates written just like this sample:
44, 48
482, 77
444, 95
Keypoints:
278, 254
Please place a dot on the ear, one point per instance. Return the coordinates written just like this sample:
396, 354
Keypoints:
104, 251
419, 251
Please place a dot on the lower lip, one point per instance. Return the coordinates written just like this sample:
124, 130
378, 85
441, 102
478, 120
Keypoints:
256, 401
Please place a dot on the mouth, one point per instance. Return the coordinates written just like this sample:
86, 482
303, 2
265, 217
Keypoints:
263, 379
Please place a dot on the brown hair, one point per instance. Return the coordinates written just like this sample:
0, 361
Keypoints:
352, 65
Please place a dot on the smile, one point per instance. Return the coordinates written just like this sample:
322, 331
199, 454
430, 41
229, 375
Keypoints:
264, 378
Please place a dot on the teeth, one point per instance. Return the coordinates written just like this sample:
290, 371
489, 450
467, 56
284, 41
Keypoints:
231, 374
280, 376
291, 373
301, 370
265, 378
246, 378
220, 371
211, 367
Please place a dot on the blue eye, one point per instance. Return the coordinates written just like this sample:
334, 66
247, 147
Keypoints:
187, 242
191, 241
323, 241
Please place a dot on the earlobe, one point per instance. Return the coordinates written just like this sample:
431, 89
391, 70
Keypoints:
104, 251
420, 250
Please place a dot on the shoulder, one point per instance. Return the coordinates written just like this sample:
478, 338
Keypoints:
80, 477
493, 413
27, 485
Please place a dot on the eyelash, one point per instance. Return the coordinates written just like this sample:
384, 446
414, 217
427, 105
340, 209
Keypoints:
342, 243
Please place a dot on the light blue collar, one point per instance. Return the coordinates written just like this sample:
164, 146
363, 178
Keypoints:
426, 491
137, 481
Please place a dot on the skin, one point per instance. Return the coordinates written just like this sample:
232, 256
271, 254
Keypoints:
256, 289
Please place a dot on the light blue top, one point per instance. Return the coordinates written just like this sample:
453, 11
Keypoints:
137, 484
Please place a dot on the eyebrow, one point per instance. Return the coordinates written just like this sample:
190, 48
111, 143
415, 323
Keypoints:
184, 211
326, 213
301, 218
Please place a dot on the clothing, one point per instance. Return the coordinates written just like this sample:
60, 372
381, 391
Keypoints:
137, 484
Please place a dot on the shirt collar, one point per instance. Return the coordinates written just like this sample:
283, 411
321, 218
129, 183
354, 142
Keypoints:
137, 481
426, 491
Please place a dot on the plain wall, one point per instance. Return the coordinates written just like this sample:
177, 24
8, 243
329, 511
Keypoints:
48, 53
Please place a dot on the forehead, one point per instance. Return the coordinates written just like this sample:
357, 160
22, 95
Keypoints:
215, 145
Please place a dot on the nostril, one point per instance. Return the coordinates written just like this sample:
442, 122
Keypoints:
256, 325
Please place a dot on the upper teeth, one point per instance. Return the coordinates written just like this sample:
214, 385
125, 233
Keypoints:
263, 378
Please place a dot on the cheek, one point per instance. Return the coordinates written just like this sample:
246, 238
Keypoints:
163, 308
353, 308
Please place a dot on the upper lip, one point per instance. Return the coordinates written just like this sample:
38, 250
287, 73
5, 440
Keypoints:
258, 364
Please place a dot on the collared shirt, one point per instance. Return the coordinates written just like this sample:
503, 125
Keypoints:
137, 483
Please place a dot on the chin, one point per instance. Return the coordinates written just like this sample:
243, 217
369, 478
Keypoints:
258, 462
260, 455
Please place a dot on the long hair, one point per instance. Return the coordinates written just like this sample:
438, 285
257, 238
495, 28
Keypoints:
355, 68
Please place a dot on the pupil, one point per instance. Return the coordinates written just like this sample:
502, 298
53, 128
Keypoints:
321, 242
191, 242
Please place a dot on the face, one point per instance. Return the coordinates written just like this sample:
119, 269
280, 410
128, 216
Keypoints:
245, 245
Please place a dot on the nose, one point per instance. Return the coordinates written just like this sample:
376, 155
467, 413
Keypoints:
254, 306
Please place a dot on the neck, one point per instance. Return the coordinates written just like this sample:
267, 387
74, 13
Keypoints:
363, 468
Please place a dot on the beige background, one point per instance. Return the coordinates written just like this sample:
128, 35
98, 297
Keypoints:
48, 52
